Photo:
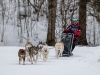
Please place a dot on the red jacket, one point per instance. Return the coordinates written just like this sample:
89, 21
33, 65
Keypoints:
75, 29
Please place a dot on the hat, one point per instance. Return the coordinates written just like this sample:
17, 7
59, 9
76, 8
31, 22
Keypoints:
74, 19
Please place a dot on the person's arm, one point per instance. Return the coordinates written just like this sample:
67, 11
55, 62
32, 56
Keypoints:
66, 30
78, 32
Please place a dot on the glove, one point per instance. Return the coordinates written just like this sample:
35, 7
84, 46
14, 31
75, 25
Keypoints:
67, 29
64, 32
77, 32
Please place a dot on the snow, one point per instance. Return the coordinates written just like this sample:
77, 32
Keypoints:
85, 61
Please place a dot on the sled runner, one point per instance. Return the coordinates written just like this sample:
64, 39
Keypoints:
67, 39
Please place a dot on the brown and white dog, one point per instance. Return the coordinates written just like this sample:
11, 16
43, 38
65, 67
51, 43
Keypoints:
33, 53
27, 46
45, 52
22, 55
59, 48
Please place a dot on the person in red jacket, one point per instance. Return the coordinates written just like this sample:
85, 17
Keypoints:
75, 29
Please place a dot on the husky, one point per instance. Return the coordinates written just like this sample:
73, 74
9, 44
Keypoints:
33, 53
59, 48
22, 55
27, 46
45, 52
40, 46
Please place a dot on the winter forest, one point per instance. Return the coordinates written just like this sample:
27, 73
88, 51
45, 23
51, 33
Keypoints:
44, 20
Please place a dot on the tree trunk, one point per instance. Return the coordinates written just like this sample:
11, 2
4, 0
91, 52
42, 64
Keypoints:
52, 4
82, 21
3, 19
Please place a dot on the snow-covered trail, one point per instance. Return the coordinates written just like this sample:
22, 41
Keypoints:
85, 61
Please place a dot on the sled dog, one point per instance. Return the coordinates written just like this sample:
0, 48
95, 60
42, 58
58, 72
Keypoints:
40, 46
59, 48
45, 52
22, 55
33, 53
27, 46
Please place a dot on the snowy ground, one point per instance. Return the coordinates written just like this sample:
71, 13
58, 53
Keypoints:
85, 61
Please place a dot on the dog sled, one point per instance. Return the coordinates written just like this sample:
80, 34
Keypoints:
67, 39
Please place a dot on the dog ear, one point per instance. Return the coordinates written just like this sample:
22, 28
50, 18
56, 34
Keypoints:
33, 46
41, 42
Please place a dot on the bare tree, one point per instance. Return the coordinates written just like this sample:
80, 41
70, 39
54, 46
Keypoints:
3, 21
20, 24
37, 6
66, 9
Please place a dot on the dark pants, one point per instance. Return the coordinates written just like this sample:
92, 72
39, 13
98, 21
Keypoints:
74, 44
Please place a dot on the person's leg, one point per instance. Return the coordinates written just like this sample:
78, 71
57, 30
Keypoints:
74, 44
